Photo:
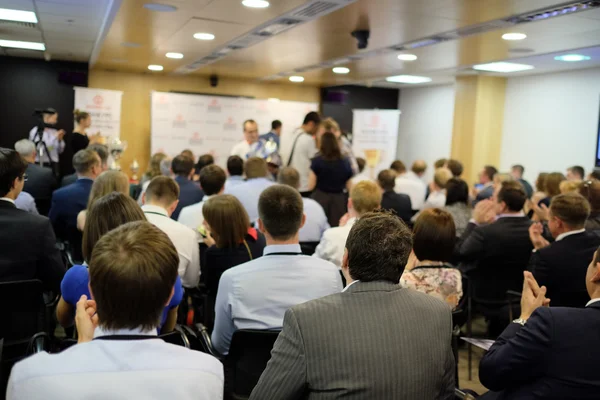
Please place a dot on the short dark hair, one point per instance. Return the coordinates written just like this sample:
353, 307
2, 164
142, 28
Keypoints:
182, 165
101, 150
490, 171
312, 116
387, 179
12, 166
203, 161
361, 162
84, 160
455, 167
378, 247
578, 169
440, 163
513, 195
595, 174
132, 273
457, 191
398, 166
162, 189
330, 148
235, 166
289, 176
571, 208
519, 168
280, 208
276, 124
212, 179
434, 235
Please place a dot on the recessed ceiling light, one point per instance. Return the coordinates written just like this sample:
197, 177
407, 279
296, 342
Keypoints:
16, 44
341, 70
408, 79
502, 67
18, 15
204, 36
296, 78
572, 57
407, 57
153, 67
131, 44
174, 55
514, 36
256, 3
160, 7
273, 99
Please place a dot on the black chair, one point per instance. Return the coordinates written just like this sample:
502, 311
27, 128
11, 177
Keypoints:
176, 337
308, 248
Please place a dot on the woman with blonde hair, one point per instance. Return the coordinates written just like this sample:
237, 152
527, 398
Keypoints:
107, 182
154, 169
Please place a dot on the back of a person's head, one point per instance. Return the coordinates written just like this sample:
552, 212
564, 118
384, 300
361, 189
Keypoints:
457, 191
571, 208
101, 150
490, 171
455, 167
578, 170
227, 219
569, 186
212, 179
12, 166
419, 167
398, 166
330, 125
594, 175
361, 162
276, 124
501, 177
107, 213
280, 209
84, 160
434, 235
155, 162
330, 148
256, 167
204, 161
519, 169
513, 195
182, 165
441, 177
187, 153
378, 246
440, 163
25, 147
162, 190
552, 183
366, 197
312, 116
108, 182
132, 272
235, 166
591, 191
289, 176
540, 182
386, 179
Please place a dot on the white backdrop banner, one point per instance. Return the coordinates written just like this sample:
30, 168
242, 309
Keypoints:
105, 108
375, 137
213, 124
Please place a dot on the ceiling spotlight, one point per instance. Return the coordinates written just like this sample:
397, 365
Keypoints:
174, 55
341, 70
408, 79
572, 57
514, 36
17, 44
154, 67
18, 15
256, 3
502, 67
160, 7
296, 78
204, 36
407, 57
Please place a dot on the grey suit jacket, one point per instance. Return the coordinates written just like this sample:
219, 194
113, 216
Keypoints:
376, 340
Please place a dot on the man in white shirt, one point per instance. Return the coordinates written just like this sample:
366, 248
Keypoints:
251, 146
437, 196
212, 180
416, 189
118, 355
52, 138
255, 295
364, 197
298, 149
256, 181
160, 200
235, 172
417, 171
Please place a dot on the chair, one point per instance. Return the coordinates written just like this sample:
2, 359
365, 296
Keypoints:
176, 337
308, 248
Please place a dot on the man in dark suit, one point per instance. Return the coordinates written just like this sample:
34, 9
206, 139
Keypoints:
375, 340
517, 172
102, 151
562, 265
549, 352
486, 180
392, 201
27, 243
189, 192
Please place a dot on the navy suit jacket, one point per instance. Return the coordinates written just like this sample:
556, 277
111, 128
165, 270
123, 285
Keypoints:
189, 193
554, 356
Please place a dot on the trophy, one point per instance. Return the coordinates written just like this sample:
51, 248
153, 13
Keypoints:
116, 147
135, 167
372, 158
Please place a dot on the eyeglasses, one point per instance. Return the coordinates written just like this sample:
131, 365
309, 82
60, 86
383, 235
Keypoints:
25, 177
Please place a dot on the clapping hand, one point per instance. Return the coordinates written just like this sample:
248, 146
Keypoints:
533, 296
541, 211
535, 235
485, 212
86, 319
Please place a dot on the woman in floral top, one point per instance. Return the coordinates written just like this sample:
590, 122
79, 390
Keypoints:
428, 269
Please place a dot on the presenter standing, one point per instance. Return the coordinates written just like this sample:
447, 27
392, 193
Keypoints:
50, 143
80, 139
251, 146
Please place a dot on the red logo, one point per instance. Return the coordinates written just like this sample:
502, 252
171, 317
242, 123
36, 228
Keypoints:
98, 100
375, 121
196, 135
179, 117
162, 99
230, 121
214, 102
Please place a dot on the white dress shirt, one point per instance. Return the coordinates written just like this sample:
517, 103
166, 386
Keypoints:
333, 243
436, 199
54, 146
415, 189
233, 181
184, 240
119, 370
304, 151
256, 295
241, 149
316, 221
361, 177
592, 301
248, 194
564, 235
7, 199
192, 217
26, 202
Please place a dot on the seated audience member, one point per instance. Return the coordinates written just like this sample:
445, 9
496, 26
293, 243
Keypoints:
316, 220
561, 266
154, 169
249, 192
369, 341
102, 151
575, 173
591, 191
212, 180
415, 189
255, 295
486, 180
26, 202
397, 202
40, 182
457, 204
27, 242
440, 163
229, 238
188, 153
204, 161
131, 275
540, 187
189, 191
549, 352
437, 195
594, 175
235, 172
455, 167
517, 172
105, 214
362, 174
364, 197
165, 170
428, 269
417, 171
551, 187
569, 186
107, 182
159, 201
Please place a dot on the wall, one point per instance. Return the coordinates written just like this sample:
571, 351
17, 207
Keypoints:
135, 113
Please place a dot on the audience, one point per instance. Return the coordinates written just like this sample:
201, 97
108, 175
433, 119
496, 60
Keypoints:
551, 187
397, 202
416, 189
362, 175
316, 220
374, 340
428, 269
418, 169
189, 192
594, 175
160, 201
132, 272
249, 192
188, 153
41, 181
517, 172
486, 181
107, 182
455, 167
26, 202
364, 197
569, 186
437, 195
591, 191
286, 276
575, 173
165, 170
154, 169
102, 151
235, 172
204, 161
440, 163
330, 125
457, 204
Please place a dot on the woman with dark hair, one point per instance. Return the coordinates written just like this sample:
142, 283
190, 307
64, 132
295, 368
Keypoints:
330, 174
457, 204
428, 269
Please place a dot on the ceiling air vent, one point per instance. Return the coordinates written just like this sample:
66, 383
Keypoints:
277, 27
18, 24
565, 9
314, 10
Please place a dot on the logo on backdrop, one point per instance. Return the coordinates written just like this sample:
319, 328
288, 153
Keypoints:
98, 100
179, 122
214, 106
230, 125
196, 139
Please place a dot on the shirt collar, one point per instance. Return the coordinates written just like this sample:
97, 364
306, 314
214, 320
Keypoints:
517, 215
82, 178
564, 235
7, 199
208, 197
147, 208
99, 331
236, 178
346, 288
282, 248
592, 301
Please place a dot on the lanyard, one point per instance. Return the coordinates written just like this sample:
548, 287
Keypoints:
284, 254
156, 213
126, 337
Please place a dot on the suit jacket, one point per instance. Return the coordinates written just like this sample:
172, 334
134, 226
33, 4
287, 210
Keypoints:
552, 357
486, 193
28, 248
562, 267
496, 255
189, 193
368, 342
527, 187
400, 203
41, 182
68, 180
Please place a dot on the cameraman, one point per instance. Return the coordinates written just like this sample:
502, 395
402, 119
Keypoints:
52, 139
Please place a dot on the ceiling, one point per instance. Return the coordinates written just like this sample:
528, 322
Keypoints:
97, 30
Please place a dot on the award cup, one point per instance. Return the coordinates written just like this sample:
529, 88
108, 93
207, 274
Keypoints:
372, 158
116, 147
135, 167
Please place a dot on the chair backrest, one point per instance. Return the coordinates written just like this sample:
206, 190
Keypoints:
22, 310
308, 248
176, 337
249, 353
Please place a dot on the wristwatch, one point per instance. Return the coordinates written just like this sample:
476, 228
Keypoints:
520, 321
